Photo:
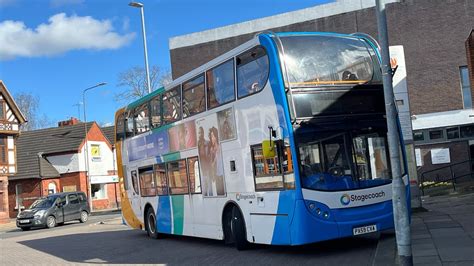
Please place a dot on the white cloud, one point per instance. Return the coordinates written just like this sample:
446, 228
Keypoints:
60, 35
59, 3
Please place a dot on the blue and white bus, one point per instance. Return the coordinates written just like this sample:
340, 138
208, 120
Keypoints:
281, 141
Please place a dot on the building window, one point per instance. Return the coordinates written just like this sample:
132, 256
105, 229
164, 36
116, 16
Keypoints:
436, 134
98, 191
465, 87
467, 131
452, 133
418, 136
3, 150
2, 110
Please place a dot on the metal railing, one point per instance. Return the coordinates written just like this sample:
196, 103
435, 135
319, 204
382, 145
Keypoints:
449, 173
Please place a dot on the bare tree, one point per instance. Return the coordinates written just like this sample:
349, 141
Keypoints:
28, 105
134, 82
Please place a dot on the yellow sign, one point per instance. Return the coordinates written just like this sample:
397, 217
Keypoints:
95, 151
268, 149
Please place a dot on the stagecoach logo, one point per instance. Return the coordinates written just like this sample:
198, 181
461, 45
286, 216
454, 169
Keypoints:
241, 196
346, 198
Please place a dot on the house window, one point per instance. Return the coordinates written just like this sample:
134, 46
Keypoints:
436, 134
465, 87
2, 110
98, 191
3, 150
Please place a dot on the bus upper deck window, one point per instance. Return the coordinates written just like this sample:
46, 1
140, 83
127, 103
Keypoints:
172, 105
252, 71
220, 84
141, 119
155, 112
194, 100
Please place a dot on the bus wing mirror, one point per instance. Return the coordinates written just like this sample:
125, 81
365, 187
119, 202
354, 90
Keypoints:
268, 149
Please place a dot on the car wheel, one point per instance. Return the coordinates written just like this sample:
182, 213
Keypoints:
237, 227
151, 224
50, 222
26, 228
84, 217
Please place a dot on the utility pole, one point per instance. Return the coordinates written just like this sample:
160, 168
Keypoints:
399, 199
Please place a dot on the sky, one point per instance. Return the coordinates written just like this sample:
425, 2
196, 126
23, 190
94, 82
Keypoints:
54, 49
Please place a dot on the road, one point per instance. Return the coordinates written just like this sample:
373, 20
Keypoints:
111, 242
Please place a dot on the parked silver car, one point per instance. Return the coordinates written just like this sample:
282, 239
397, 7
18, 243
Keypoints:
54, 209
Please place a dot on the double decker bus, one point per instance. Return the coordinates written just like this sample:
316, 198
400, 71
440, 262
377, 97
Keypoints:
282, 141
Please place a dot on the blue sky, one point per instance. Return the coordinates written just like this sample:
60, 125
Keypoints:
55, 49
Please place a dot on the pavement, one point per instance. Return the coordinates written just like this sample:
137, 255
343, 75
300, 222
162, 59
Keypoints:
443, 233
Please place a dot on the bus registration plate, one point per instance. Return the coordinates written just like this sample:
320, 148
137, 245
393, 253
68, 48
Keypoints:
364, 229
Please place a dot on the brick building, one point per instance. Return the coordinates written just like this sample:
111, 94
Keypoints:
437, 38
53, 160
10, 120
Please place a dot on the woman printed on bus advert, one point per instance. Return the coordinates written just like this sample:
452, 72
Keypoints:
215, 160
204, 161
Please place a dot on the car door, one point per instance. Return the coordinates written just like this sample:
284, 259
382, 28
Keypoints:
59, 212
72, 208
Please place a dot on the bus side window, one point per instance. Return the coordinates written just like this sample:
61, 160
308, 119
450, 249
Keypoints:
287, 166
125, 179
220, 84
267, 171
161, 182
155, 112
141, 119
120, 127
194, 98
178, 179
172, 105
252, 71
194, 175
147, 182
129, 128
135, 181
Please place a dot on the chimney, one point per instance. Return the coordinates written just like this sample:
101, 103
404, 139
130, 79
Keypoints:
70, 122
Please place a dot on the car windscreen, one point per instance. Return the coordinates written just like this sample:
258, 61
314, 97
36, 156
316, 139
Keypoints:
43, 203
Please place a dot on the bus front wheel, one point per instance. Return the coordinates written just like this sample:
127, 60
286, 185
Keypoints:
151, 224
237, 228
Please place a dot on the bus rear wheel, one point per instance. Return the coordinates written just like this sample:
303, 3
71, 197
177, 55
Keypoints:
151, 223
237, 228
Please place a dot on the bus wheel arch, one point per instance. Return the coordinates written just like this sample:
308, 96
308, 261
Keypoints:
150, 216
233, 226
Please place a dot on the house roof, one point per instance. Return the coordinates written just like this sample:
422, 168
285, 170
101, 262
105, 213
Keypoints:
109, 133
9, 99
33, 147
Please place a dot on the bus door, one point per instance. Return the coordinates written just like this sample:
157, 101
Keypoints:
268, 168
134, 193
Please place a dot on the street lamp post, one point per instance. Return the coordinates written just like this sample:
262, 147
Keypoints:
86, 149
140, 5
